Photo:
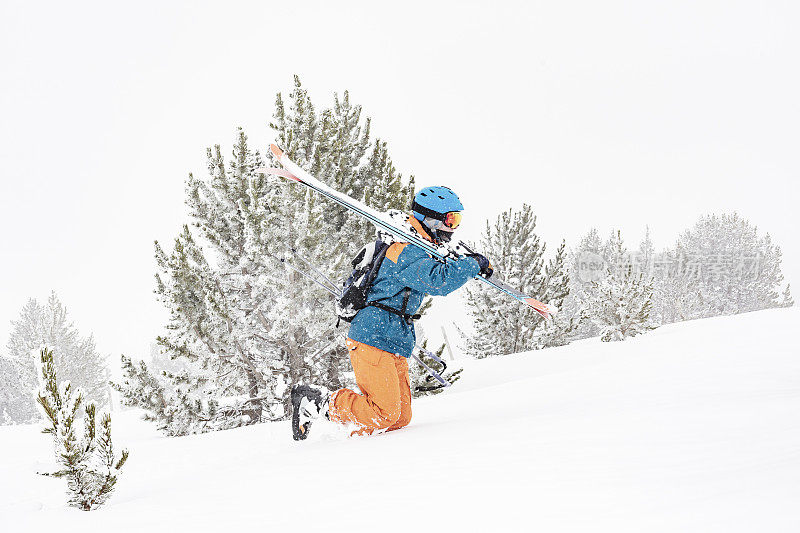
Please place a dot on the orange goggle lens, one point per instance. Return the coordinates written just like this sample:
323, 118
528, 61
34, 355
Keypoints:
452, 219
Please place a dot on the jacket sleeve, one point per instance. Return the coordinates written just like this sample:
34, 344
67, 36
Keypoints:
421, 272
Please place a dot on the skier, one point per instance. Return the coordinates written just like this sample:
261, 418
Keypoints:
381, 336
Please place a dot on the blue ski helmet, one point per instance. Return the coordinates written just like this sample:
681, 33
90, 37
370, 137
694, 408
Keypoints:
435, 202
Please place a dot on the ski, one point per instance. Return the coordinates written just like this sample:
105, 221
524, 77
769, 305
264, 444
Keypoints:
294, 172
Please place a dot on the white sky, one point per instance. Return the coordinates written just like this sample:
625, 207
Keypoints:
607, 114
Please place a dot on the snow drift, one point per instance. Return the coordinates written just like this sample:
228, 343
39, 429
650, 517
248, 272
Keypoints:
693, 427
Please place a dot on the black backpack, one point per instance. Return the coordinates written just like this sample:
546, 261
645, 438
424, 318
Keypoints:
365, 267
355, 290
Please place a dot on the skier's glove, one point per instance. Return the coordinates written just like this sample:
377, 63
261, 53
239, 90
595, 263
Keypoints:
486, 266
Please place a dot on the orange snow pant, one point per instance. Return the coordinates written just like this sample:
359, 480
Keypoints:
385, 402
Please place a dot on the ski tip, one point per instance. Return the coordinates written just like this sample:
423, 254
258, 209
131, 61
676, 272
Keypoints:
276, 151
276, 172
543, 309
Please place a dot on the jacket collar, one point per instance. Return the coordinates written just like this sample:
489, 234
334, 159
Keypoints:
417, 225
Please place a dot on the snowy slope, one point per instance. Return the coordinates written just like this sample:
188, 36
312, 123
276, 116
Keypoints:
693, 427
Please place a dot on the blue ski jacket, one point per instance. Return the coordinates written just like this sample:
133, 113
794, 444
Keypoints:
408, 266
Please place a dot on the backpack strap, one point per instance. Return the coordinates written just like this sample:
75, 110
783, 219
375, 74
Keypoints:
373, 273
407, 318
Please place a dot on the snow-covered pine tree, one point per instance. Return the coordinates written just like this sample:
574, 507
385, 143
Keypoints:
585, 265
13, 406
87, 460
645, 263
515, 250
213, 296
620, 304
591, 262
244, 319
563, 326
19, 371
727, 267
674, 297
646, 257
229, 370
49, 325
616, 255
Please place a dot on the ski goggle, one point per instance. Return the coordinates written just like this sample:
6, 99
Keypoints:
452, 219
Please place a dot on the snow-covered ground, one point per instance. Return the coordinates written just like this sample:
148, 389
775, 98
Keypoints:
693, 427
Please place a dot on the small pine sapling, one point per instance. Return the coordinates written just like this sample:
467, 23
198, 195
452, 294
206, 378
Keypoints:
87, 462
787, 300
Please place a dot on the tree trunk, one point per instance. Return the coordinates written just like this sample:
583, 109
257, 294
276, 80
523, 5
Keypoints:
256, 407
333, 378
295, 363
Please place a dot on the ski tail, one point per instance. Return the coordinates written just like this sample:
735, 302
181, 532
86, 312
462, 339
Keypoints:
543, 309
293, 171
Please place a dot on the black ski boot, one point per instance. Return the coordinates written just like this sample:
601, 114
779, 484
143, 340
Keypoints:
308, 403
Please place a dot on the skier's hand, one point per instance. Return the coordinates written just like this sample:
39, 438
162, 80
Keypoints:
486, 266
